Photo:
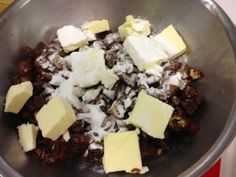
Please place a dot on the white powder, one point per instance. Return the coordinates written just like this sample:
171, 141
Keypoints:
95, 146
95, 117
57, 79
142, 80
109, 93
110, 38
172, 80
127, 102
98, 45
68, 91
123, 67
91, 94
155, 71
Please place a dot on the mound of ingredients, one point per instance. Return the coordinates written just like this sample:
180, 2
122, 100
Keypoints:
111, 98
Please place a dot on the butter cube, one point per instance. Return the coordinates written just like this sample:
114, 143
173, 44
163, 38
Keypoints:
17, 96
27, 136
171, 42
151, 115
71, 38
145, 52
134, 26
96, 26
55, 117
109, 78
122, 152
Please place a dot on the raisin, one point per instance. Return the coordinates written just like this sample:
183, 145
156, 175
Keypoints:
198, 99
77, 127
39, 48
94, 155
147, 150
190, 106
190, 92
49, 159
193, 127
24, 67
173, 89
130, 127
27, 52
19, 79
79, 143
175, 100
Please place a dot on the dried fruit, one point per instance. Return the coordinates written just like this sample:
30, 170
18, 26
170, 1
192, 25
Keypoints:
24, 67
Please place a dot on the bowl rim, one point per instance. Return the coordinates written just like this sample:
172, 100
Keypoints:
226, 136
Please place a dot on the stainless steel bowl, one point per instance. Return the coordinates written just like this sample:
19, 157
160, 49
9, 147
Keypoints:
211, 39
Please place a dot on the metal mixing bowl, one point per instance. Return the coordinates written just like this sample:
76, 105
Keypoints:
211, 40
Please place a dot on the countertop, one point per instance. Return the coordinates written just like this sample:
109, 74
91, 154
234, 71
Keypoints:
229, 7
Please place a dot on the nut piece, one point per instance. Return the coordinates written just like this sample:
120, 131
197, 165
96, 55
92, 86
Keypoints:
195, 74
117, 110
180, 122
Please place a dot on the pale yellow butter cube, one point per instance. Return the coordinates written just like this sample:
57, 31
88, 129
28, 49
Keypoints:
109, 78
17, 96
134, 26
96, 26
171, 42
71, 38
151, 115
122, 152
55, 117
145, 52
27, 136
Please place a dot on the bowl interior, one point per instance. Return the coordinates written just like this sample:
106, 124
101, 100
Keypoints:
209, 50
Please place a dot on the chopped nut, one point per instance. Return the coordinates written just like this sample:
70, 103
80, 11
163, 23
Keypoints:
129, 80
135, 170
195, 74
159, 151
117, 110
